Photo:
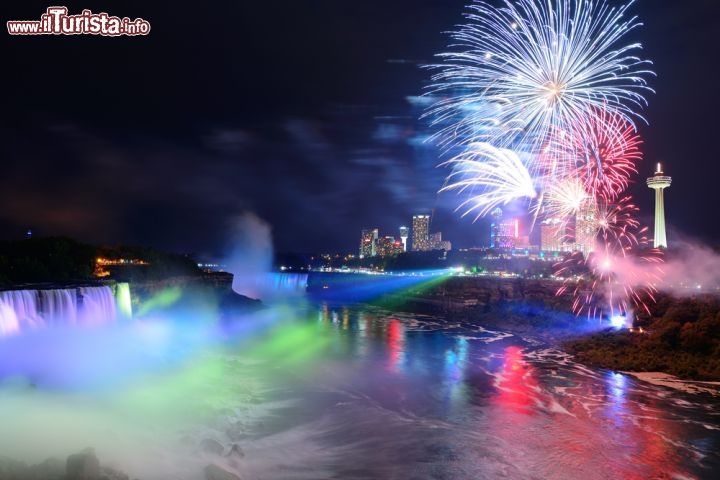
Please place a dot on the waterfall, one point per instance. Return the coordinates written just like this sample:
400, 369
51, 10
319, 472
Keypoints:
22, 310
289, 282
98, 306
278, 286
58, 306
8, 320
271, 286
18, 307
123, 301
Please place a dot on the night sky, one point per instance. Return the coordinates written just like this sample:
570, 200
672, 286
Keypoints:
297, 111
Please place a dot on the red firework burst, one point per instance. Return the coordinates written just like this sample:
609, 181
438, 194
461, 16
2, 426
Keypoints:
603, 152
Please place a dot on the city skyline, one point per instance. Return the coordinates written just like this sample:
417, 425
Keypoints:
404, 239
189, 135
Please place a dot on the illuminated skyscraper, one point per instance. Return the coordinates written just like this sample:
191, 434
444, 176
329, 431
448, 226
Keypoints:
503, 232
368, 243
586, 229
659, 182
420, 233
404, 234
552, 232
387, 246
434, 240
495, 227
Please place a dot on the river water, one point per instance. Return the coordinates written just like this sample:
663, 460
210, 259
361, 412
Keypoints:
409, 396
318, 391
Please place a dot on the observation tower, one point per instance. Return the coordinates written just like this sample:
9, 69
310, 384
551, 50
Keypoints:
404, 234
659, 182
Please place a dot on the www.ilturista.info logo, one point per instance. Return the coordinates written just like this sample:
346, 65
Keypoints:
56, 21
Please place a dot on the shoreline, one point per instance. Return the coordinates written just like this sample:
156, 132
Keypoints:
661, 379
554, 336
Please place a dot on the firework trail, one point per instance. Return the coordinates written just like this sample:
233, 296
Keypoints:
623, 271
622, 278
492, 175
616, 222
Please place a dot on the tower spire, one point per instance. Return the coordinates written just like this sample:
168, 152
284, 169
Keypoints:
659, 182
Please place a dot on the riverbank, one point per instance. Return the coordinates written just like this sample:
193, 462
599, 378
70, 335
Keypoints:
677, 348
550, 325
670, 381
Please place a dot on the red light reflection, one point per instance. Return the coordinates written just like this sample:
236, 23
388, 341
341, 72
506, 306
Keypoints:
515, 382
396, 340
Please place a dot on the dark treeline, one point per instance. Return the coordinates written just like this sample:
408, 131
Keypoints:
157, 265
52, 259
681, 337
62, 259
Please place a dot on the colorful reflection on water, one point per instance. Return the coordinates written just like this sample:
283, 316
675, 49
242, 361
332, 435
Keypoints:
534, 412
343, 391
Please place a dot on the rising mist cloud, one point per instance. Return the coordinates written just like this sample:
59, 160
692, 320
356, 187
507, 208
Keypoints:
250, 254
690, 267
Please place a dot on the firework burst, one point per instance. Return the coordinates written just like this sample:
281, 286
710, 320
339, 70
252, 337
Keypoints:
603, 152
530, 67
538, 100
564, 199
492, 176
616, 222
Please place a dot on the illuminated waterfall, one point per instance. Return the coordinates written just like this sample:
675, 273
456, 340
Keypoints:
123, 301
22, 310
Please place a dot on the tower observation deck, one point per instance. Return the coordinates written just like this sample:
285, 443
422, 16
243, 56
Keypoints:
659, 182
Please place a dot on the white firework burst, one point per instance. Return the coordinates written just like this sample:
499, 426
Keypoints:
492, 176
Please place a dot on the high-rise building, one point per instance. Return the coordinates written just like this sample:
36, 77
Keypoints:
434, 240
523, 241
503, 232
586, 227
387, 246
496, 215
420, 233
659, 182
404, 234
368, 242
552, 233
